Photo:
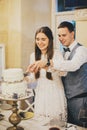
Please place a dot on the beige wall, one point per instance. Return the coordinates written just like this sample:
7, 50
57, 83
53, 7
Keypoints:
81, 31
14, 33
34, 13
19, 20
4, 23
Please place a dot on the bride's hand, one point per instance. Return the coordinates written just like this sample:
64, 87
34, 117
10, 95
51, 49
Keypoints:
36, 66
26, 78
62, 73
30, 68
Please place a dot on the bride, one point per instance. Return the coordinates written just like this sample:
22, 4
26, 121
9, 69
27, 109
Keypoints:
50, 98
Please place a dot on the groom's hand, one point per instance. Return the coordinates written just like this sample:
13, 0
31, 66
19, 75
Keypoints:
36, 66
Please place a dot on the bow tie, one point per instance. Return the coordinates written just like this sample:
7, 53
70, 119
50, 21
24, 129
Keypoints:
66, 49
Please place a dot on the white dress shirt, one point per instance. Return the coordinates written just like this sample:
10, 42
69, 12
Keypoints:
79, 58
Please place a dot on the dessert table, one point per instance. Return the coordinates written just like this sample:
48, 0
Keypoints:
30, 124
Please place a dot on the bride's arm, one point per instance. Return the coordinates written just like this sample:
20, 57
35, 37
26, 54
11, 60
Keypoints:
44, 63
30, 75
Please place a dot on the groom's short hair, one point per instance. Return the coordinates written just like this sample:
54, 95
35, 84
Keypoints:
66, 24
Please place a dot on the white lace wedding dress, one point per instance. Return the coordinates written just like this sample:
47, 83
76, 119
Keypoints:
50, 98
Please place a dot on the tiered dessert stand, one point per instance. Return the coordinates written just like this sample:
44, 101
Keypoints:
14, 118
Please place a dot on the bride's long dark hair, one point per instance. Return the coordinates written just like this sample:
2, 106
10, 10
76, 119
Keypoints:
47, 31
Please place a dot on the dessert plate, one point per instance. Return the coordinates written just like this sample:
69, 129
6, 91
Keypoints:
26, 115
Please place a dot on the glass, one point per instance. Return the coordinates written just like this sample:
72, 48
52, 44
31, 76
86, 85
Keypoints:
54, 128
56, 123
83, 116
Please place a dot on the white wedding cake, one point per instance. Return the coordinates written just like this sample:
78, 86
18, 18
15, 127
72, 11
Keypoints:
13, 84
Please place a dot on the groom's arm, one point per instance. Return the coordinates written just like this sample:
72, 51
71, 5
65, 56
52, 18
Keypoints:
79, 58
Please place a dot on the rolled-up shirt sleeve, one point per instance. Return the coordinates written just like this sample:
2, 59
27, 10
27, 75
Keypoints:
79, 58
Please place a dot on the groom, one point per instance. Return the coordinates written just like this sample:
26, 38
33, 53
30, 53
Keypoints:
75, 64
75, 82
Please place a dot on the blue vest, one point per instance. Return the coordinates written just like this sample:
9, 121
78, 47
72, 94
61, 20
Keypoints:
75, 83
